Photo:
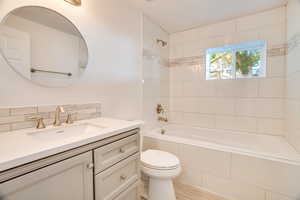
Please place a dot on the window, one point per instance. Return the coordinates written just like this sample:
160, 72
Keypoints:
246, 60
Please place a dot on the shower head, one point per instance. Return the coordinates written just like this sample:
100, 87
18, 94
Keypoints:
161, 43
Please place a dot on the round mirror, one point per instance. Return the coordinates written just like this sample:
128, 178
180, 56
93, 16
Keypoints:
43, 46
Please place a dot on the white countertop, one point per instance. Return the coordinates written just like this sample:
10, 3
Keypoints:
19, 147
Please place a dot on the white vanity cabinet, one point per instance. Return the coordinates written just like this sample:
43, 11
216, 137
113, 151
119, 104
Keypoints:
117, 169
70, 179
112, 182
103, 170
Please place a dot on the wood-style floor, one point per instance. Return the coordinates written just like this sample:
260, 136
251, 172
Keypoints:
186, 192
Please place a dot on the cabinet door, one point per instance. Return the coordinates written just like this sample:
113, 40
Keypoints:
71, 179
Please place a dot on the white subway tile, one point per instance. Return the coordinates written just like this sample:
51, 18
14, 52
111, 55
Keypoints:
151, 143
194, 104
205, 160
274, 35
151, 88
270, 126
247, 87
177, 104
176, 89
224, 106
199, 120
177, 51
276, 176
260, 20
177, 38
187, 73
292, 86
206, 105
245, 107
199, 88
271, 87
164, 89
176, 117
227, 88
269, 108
233, 189
293, 122
193, 48
220, 29
236, 123
247, 36
23, 111
292, 61
276, 66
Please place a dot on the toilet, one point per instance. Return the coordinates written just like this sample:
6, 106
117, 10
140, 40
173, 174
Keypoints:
161, 167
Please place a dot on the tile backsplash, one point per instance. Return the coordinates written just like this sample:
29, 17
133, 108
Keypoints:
16, 118
254, 105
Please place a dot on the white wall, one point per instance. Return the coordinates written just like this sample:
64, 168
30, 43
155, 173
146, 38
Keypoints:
253, 105
293, 74
112, 30
155, 72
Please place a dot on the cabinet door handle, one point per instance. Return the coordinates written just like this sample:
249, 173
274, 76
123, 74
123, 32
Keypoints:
90, 166
122, 150
123, 177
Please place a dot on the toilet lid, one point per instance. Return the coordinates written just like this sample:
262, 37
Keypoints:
159, 160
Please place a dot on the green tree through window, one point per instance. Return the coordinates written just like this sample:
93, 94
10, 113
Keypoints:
236, 61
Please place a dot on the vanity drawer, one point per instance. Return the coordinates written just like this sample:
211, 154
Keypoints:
113, 153
110, 183
129, 194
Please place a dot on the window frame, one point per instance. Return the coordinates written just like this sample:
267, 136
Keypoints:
261, 45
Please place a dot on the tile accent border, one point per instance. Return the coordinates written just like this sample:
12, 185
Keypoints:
279, 50
16, 118
195, 60
164, 62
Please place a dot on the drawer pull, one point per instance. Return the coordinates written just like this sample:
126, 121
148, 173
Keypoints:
90, 166
123, 177
122, 150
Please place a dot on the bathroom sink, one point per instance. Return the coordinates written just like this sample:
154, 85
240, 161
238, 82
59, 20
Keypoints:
66, 131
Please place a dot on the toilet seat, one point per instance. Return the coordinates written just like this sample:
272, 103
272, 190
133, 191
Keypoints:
161, 168
159, 160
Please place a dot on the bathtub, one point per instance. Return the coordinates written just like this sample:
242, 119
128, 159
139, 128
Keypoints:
255, 165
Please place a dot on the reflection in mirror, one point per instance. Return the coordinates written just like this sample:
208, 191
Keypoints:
43, 46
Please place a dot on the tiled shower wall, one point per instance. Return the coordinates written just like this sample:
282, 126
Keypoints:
16, 118
293, 74
253, 105
155, 72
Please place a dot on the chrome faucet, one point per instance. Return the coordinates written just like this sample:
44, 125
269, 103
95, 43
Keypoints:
59, 110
